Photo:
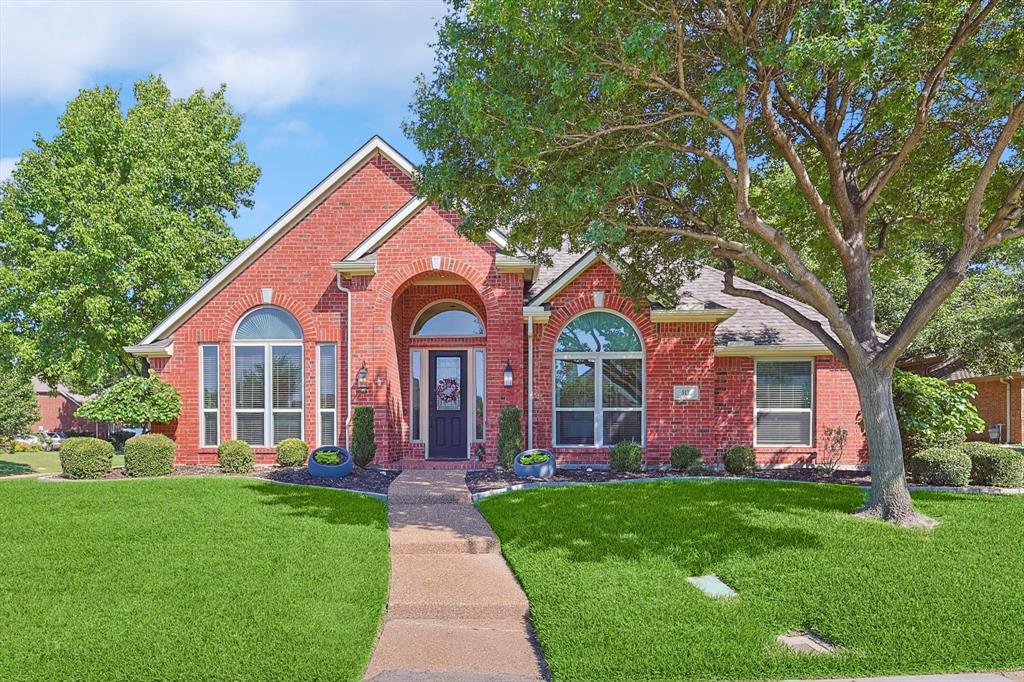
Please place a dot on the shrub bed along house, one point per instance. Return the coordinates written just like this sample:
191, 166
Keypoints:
685, 457
941, 466
86, 458
627, 456
151, 454
740, 460
235, 456
292, 452
995, 466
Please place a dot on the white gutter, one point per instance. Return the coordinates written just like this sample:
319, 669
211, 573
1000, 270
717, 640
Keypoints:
529, 382
348, 354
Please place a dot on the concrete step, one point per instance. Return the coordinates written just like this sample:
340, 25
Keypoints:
429, 487
476, 650
439, 529
463, 586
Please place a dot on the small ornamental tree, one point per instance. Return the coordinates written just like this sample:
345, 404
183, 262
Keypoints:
364, 437
932, 412
510, 436
139, 401
19, 408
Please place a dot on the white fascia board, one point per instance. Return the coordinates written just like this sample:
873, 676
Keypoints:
267, 238
696, 315
540, 314
566, 278
150, 351
387, 228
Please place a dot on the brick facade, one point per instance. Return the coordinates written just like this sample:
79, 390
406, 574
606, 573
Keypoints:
991, 403
426, 260
57, 413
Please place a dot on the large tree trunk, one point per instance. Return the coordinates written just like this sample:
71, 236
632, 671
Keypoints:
890, 497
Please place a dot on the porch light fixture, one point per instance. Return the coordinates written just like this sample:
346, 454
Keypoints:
362, 376
508, 373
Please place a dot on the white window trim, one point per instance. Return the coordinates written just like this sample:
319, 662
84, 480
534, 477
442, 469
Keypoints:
203, 410
811, 410
461, 304
482, 390
268, 388
320, 410
425, 395
412, 363
598, 409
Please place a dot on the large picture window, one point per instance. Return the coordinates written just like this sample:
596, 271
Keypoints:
268, 404
783, 405
599, 374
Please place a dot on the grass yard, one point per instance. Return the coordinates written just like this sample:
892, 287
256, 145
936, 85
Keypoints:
188, 578
12, 463
605, 569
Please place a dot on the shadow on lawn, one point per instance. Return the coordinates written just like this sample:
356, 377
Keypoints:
13, 468
698, 525
332, 506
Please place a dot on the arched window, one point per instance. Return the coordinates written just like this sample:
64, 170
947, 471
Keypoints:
267, 404
447, 318
599, 370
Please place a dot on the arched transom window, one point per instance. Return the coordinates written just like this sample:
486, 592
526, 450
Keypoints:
447, 318
268, 402
599, 392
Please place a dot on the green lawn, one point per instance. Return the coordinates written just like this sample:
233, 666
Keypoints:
605, 569
12, 463
188, 578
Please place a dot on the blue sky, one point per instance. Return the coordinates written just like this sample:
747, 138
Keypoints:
314, 80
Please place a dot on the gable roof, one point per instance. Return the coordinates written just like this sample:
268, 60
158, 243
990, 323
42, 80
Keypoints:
41, 386
374, 146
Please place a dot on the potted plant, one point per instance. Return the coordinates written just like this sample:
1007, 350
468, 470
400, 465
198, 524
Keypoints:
534, 464
330, 461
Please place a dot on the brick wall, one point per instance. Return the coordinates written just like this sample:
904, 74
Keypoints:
57, 413
991, 403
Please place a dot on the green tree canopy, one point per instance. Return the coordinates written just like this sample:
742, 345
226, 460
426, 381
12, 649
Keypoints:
19, 407
815, 143
134, 400
108, 226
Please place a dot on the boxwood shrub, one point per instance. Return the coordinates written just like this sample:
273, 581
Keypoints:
995, 466
86, 458
740, 460
151, 454
686, 457
292, 452
941, 466
627, 456
235, 456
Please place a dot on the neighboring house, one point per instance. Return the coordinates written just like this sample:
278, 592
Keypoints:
57, 410
365, 294
1000, 397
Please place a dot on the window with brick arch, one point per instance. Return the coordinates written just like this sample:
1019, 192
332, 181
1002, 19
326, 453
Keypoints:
598, 381
267, 377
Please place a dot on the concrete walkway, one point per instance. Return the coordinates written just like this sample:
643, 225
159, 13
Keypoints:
455, 611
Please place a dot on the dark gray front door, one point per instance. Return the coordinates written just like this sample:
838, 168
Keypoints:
448, 405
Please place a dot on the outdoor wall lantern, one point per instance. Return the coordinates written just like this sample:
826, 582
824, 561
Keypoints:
362, 376
508, 373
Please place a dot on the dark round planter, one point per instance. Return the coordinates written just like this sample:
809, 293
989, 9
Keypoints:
542, 470
342, 468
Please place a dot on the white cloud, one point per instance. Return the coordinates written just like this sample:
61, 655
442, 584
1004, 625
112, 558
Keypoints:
7, 166
271, 54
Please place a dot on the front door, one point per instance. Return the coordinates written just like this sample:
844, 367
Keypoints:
448, 405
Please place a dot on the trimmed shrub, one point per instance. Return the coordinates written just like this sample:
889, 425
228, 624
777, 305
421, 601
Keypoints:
86, 458
364, 439
235, 456
28, 447
685, 457
151, 454
292, 452
627, 456
740, 460
510, 436
941, 466
995, 466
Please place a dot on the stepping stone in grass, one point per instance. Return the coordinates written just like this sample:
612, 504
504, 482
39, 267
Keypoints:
806, 642
712, 586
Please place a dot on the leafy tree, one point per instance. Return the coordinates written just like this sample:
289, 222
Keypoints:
135, 400
108, 226
795, 138
19, 408
933, 412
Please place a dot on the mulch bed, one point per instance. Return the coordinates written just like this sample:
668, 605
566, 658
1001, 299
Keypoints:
370, 480
481, 481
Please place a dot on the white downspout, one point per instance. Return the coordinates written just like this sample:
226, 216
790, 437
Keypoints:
1009, 427
529, 382
348, 355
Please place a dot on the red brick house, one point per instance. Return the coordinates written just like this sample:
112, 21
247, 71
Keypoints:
365, 294
57, 411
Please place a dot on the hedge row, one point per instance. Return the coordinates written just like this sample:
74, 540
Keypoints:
972, 463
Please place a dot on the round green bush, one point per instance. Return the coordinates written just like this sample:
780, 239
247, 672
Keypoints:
686, 457
941, 466
627, 456
151, 454
292, 452
235, 456
994, 465
86, 458
740, 460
